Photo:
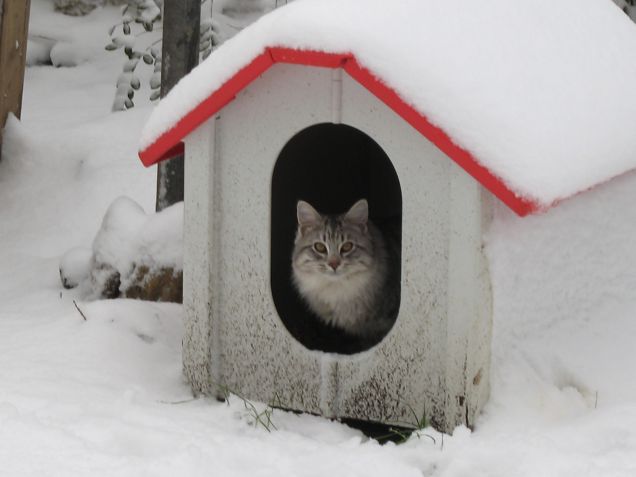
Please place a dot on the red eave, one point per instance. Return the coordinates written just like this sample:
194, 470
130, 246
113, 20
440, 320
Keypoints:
169, 143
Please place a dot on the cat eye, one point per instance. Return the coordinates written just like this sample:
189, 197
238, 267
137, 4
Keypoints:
346, 247
320, 247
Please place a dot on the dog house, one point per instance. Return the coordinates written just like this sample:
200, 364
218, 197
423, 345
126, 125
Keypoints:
307, 105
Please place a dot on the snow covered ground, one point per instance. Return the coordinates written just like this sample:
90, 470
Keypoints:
105, 395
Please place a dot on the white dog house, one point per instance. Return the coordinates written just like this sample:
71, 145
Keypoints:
432, 125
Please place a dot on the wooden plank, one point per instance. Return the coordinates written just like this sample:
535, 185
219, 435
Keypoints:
14, 24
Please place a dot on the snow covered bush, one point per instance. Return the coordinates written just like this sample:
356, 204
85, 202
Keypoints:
75, 266
139, 34
138, 18
134, 254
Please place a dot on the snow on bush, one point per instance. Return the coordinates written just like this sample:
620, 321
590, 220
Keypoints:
139, 35
75, 266
127, 240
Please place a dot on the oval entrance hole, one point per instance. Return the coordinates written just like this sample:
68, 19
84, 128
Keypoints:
331, 166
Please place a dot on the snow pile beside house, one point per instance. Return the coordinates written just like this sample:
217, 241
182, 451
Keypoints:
134, 254
528, 89
564, 289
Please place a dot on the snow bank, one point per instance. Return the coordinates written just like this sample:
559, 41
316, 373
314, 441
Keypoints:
106, 396
564, 287
129, 238
531, 89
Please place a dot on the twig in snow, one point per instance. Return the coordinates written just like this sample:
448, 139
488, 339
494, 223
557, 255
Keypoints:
596, 400
80, 311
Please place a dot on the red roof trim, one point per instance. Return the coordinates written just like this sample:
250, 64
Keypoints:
169, 143
309, 58
438, 137
163, 147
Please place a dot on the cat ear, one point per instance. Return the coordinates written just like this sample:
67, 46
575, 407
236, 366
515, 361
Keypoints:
307, 216
358, 214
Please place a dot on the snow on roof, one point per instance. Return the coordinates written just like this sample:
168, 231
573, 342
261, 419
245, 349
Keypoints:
534, 98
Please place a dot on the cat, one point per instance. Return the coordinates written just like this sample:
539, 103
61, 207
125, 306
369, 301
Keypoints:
341, 269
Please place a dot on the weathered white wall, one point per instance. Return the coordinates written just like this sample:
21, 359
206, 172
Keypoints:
200, 259
441, 340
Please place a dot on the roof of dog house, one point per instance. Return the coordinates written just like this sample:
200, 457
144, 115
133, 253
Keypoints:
533, 99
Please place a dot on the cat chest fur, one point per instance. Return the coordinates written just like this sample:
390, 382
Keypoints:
346, 303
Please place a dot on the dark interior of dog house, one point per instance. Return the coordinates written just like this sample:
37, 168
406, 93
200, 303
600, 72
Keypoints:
331, 166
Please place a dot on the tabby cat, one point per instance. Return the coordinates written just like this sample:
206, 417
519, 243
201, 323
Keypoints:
340, 267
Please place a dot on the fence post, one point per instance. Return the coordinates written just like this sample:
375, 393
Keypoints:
180, 53
14, 25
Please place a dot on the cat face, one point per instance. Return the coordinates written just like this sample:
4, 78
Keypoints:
332, 247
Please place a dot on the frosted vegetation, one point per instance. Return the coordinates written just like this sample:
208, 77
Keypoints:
138, 35
95, 388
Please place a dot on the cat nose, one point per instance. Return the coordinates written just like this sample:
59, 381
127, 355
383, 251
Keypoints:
333, 262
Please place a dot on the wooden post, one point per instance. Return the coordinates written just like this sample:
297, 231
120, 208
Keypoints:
180, 54
14, 25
